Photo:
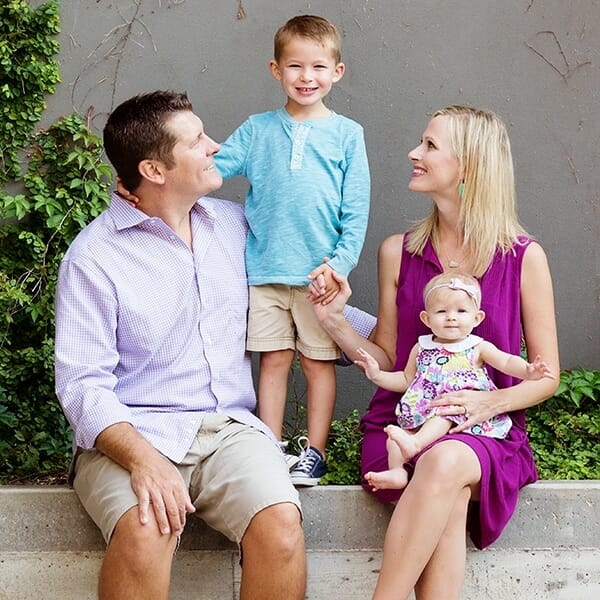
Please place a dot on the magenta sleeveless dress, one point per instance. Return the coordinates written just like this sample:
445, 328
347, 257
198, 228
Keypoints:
506, 464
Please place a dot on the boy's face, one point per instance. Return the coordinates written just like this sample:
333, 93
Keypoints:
307, 71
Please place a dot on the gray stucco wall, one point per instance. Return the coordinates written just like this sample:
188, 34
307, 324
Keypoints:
535, 62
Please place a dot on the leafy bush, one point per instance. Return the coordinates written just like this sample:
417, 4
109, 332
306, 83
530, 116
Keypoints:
65, 187
565, 430
28, 71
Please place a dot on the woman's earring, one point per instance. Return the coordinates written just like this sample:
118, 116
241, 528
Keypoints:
461, 189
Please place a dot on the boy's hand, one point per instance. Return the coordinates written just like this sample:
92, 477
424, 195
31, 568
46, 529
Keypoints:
538, 369
323, 287
126, 194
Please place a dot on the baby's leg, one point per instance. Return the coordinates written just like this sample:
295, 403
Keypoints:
396, 477
411, 443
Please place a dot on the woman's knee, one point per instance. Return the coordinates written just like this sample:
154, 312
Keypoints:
448, 466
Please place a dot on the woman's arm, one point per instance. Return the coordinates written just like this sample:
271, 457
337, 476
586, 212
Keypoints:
539, 328
383, 344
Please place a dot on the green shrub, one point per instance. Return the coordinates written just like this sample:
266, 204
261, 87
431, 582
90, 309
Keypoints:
565, 430
63, 188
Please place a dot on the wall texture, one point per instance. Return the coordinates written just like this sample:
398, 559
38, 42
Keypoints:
535, 62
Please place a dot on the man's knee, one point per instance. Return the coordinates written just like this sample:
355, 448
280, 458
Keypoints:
141, 544
277, 528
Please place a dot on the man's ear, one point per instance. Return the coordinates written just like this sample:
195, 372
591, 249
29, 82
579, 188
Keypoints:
275, 71
424, 316
152, 170
479, 317
340, 69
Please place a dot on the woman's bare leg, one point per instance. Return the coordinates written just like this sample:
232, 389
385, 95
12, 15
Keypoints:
421, 518
444, 574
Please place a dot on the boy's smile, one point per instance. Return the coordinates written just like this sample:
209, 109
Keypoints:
307, 71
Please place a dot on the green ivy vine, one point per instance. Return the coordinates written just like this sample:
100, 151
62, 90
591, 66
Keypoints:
28, 71
62, 184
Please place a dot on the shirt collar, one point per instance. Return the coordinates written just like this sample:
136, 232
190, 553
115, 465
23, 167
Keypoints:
126, 216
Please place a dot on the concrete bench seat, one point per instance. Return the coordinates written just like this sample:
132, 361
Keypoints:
49, 548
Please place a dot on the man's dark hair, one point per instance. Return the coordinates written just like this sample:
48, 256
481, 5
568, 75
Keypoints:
136, 130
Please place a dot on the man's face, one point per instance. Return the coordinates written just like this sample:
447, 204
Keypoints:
194, 173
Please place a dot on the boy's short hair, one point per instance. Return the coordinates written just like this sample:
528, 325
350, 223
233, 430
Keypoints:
136, 131
311, 27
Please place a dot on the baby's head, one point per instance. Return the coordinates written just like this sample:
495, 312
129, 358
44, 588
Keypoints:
310, 27
452, 306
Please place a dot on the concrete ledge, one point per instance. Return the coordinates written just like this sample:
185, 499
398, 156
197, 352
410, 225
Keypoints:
50, 549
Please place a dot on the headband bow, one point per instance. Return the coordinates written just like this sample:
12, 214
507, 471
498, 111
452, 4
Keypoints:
457, 284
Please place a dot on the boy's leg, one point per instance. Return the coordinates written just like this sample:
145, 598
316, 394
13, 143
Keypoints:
272, 388
320, 392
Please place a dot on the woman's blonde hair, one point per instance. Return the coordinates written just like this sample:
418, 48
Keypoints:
487, 213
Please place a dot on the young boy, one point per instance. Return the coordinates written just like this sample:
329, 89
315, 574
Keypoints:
308, 201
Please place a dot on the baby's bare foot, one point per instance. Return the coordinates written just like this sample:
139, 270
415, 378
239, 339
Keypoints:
407, 442
392, 479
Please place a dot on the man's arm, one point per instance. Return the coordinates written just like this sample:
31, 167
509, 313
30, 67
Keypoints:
154, 479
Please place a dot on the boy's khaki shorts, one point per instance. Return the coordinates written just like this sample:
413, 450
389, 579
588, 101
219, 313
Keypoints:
233, 471
282, 318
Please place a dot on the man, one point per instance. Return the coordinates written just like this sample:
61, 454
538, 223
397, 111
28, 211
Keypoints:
152, 372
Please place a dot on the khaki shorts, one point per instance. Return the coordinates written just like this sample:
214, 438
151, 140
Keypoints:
282, 318
233, 471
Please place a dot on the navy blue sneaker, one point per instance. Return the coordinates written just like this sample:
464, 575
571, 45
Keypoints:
311, 466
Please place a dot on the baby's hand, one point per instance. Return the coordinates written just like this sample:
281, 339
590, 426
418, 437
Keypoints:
538, 369
368, 364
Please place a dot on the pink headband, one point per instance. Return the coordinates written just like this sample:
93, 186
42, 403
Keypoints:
456, 284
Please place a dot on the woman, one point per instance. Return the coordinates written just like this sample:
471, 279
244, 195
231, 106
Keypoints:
461, 481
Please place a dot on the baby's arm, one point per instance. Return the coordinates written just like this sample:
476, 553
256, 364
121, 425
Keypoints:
514, 365
395, 381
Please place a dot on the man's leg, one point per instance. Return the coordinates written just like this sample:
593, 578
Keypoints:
274, 556
137, 565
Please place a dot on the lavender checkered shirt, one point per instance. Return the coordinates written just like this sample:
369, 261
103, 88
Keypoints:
148, 332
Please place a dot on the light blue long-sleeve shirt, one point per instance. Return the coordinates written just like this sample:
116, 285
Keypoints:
308, 197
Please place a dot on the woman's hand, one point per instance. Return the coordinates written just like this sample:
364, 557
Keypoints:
331, 306
475, 405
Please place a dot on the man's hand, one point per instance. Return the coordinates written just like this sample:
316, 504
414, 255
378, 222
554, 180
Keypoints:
155, 480
158, 484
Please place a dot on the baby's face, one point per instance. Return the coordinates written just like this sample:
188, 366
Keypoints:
452, 314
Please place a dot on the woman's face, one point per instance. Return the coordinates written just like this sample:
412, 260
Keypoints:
436, 169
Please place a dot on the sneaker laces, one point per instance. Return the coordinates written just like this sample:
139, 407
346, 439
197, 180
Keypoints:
307, 459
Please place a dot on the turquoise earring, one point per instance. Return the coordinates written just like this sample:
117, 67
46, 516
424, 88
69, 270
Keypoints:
461, 189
